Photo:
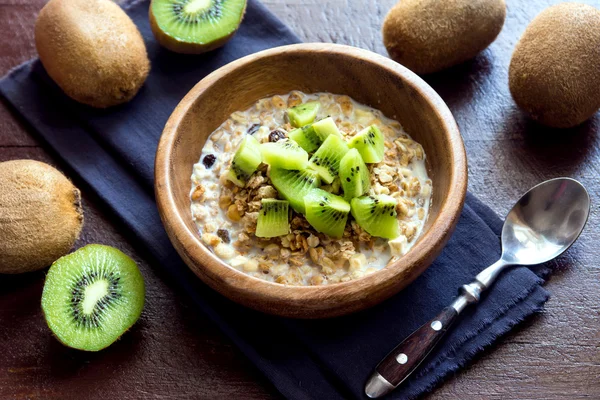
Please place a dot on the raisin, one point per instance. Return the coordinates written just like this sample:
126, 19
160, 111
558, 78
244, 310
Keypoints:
252, 130
276, 135
224, 235
209, 160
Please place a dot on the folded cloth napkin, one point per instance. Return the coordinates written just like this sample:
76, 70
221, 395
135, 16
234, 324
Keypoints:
113, 150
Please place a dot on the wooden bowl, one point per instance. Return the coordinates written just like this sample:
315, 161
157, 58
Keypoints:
366, 77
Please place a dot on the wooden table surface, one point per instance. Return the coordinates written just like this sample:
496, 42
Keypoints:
175, 352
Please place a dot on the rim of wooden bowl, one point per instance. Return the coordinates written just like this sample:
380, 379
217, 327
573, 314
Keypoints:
309, 301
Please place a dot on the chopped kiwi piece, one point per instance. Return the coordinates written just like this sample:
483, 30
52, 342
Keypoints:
326, 127
303, 114
326, 160
369, 143
376, 215
326, 212
293, 185
354, 175
92, 296
273, 218
245, 161
284, 154
195, 26
306, 137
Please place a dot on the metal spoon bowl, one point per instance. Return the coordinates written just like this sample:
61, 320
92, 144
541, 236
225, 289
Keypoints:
544, 223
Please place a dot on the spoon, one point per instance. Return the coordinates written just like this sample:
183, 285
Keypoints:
544, 223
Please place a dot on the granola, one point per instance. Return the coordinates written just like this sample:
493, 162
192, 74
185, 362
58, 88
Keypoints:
226, 215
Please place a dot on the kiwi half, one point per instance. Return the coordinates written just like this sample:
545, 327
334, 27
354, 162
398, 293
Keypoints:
92, 296
195, 26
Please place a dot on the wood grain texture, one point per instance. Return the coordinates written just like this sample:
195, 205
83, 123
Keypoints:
311, 68
177, 353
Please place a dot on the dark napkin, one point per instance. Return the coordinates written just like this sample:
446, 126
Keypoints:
112, 152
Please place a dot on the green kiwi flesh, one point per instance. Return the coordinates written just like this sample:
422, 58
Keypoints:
306, 137
92, 296
370, 144
273, 218
284, 154
326, 127
376, 215
293, 185
197, 24
354, 175
326, 212
245, 161
326, 160
303, 114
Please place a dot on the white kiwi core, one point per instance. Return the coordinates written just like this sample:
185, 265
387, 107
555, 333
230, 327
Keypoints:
93, 294
197, 5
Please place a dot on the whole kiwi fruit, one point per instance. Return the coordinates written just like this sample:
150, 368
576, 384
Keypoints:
92, 50
554, 72
430, 35
40, 215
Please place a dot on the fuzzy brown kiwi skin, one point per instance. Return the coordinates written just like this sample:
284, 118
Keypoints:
430, 35
102, 69
40, 216
554, 72
177, 46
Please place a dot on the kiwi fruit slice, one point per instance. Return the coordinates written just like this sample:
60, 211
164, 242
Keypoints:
326, 160
284, 154
245, 161
307, 138
303, 114
376, 215
354, 175
92, 296
326, 127
370, 144
326, 212
293, 185
273, 218
40, 216
195, 26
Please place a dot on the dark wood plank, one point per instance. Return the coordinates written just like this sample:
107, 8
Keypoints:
175, 352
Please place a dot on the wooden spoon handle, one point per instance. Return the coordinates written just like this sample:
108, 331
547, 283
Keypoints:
407, 356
